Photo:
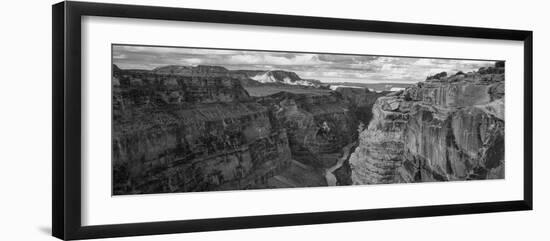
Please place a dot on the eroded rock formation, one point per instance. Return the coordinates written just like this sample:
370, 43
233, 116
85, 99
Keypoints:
180, 133
196, 128
318, 126
179, 129
447, 128
246, 77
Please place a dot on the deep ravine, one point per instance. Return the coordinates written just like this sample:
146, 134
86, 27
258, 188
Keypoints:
329, 175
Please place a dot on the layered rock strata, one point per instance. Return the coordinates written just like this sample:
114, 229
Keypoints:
246, 77
318, 126
447, 128
178, 129
181, 133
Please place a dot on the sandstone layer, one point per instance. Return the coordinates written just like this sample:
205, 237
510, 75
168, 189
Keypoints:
447, 128
181, 129
197, 128
190, 133
318, 126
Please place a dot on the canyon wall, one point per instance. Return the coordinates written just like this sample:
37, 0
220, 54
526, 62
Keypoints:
181, 129
318, 126
246, 77
360, 101
447, 128
181, 133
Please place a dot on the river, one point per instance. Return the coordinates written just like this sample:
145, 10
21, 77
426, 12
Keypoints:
331, 178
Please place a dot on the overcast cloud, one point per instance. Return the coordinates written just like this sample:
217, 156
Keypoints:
325, 67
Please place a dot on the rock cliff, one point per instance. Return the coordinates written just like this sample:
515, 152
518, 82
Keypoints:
447, 128
180, 129
179, 133
318, 126
283, 77
147, 89
196, 128
360, 101
246, 77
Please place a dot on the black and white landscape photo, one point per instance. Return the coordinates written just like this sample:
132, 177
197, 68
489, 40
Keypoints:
195, 119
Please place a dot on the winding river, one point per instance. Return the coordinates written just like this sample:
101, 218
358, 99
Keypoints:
329, 175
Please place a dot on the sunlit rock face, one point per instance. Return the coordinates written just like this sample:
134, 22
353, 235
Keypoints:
447, 128
282, 77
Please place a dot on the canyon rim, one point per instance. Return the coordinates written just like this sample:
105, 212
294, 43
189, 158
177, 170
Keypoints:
196, 119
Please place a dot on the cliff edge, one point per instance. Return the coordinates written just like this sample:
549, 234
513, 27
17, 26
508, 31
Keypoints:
446, 128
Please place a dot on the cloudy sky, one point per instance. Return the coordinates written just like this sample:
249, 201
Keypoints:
325, 67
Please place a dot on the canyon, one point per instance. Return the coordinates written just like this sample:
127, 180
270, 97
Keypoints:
182, 129
207, 128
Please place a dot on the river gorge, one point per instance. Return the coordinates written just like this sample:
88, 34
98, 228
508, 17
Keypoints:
208, 128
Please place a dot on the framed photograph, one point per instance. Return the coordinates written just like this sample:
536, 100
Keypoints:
171, 120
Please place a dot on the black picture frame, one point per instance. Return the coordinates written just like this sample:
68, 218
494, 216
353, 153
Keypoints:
66, 157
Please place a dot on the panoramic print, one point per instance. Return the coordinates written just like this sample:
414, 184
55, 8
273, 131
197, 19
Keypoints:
196, 119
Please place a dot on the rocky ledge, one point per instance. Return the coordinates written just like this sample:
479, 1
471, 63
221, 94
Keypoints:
446, 128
